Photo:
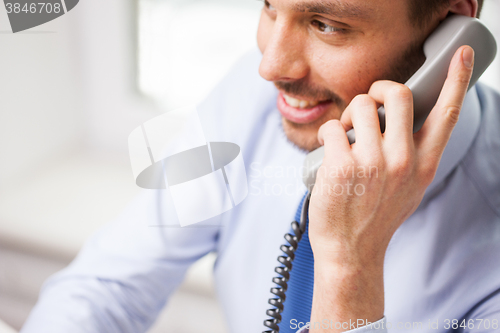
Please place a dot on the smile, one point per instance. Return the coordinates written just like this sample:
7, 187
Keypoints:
297, 103
301, 111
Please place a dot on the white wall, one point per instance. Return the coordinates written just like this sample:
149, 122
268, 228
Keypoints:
68, 85
106, 33
40, 103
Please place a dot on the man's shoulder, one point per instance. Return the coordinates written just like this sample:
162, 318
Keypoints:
239, 102
489, 99
482, 161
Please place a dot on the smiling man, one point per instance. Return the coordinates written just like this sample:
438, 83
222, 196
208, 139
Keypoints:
418, 250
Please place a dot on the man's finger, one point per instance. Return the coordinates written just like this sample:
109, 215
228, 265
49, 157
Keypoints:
398, 103
361, 114
436, 131
333, 136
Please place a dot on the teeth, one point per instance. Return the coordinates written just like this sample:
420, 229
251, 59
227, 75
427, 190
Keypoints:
293, 102
297, 103
303, 104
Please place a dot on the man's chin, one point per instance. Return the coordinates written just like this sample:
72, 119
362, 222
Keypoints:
303, 136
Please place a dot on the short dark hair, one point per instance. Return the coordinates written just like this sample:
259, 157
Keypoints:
422, 10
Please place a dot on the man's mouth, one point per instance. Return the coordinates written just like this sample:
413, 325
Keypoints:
297, 103
301, 111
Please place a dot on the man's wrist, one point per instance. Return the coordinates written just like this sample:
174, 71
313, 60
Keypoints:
348, 257
345, 293
344, 266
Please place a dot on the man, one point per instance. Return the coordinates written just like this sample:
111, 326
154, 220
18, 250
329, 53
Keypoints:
418, 247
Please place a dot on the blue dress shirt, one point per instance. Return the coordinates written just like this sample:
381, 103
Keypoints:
442, 265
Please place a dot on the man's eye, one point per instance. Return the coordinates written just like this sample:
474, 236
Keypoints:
323, 27
268, 5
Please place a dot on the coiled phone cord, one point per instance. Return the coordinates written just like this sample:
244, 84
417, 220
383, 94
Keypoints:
284, 271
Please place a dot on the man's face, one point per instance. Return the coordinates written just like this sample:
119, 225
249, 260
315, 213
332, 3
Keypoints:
320, 54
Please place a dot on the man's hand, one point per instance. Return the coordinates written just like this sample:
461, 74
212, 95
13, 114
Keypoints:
364, 192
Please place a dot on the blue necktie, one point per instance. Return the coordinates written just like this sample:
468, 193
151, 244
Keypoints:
299, 294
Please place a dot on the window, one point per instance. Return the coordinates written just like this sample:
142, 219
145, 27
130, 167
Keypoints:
187, 46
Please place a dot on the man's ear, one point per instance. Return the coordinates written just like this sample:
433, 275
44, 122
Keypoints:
464, 7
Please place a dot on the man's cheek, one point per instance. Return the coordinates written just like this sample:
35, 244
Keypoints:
335, 74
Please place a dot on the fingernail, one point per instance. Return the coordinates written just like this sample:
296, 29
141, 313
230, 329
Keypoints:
468, 57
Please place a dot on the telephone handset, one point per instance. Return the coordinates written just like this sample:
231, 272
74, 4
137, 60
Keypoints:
426, 83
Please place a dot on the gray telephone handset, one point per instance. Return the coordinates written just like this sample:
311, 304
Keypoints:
427, 82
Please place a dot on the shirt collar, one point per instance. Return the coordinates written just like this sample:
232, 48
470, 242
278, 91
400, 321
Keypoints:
461, 139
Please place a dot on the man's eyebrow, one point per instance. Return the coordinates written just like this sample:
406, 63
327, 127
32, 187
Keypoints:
341, 9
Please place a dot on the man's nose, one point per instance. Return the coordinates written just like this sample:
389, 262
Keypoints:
284, 57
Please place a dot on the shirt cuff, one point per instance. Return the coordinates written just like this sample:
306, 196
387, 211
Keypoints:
378, 327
